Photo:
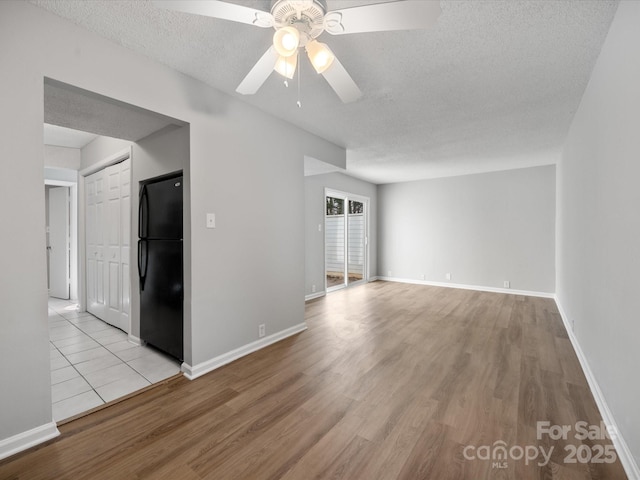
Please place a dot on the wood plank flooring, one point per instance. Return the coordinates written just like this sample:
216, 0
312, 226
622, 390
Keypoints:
390, 381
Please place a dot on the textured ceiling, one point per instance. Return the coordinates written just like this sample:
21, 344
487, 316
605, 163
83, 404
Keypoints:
493, 86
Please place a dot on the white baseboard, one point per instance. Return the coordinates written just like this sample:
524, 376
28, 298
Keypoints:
135, 340
30, 438
624, 454
478, 288
195, 371
313, 296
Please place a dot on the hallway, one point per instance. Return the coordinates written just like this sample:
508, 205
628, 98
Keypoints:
93, 363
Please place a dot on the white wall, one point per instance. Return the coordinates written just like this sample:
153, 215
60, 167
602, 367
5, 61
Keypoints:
598, 256
65, 175
483, 229
314, 215
25, 402
101, 148
246, 166
61, 157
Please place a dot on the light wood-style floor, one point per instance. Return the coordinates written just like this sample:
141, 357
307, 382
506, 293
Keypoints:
389, 381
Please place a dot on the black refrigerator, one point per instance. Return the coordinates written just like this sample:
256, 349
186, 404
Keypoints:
160, 263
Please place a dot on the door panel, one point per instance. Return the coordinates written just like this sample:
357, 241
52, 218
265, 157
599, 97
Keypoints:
112, 241
163, 296
334, 245
126, 272
94, 245
114, 284
100, 285
59, 242
166, 197
108, 233
125, 243
345, 240
356, 242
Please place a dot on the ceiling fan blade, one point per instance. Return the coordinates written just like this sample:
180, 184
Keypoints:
217, 9
341, 82
259, 73
381, 17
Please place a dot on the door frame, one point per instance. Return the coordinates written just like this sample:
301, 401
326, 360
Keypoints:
82, 232
332, 192
74, 286
65, 223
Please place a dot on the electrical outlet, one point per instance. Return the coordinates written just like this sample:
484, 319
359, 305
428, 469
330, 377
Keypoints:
422, 276
261, 330
313, 289
319, 227
447, 276
211, 220
507, 284
388, 273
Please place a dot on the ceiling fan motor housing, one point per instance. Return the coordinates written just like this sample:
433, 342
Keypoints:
307, 16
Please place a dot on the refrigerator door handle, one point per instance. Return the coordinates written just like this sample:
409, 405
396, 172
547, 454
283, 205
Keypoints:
143, 210
142, 270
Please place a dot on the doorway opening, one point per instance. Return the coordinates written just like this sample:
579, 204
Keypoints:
58, 236
96, 354
346, 239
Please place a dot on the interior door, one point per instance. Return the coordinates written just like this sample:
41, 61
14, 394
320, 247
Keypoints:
125, 244
112, 244
118, 195
108, 225
95, 218
59, 242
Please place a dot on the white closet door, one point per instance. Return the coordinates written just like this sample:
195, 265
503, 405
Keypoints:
95, 219
117, 241
125, 243
108, 244
112, 279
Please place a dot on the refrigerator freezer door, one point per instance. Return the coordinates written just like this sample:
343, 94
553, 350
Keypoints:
161, 301
160, 210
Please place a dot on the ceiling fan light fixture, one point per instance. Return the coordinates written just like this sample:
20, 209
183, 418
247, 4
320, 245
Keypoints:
320, 56
286, 66
298, 23
286, 41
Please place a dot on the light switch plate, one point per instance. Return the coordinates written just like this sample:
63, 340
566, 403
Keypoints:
211, 220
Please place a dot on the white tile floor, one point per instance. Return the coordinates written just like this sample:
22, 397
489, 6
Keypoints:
93, 363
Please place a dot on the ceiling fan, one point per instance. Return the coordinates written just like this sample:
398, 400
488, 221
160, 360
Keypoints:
298, 23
